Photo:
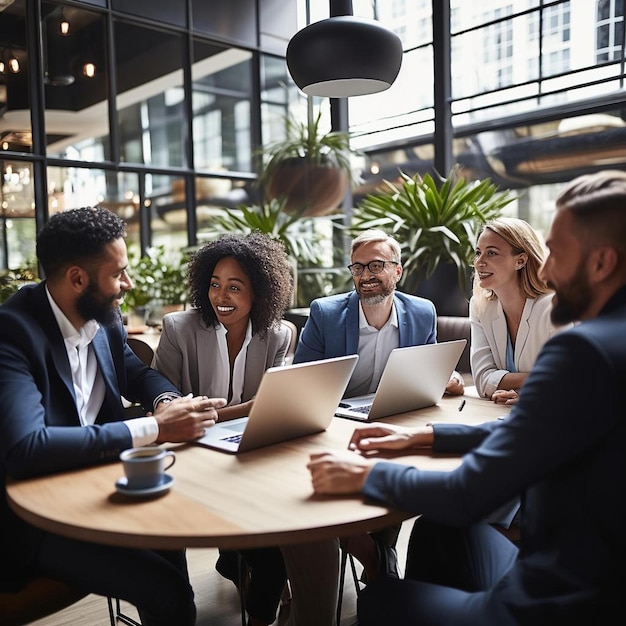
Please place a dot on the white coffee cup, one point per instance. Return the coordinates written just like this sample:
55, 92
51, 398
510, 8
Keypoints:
145, 467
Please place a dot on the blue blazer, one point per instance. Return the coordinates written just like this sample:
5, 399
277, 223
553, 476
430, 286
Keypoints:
332, 328
562, 450
37, 405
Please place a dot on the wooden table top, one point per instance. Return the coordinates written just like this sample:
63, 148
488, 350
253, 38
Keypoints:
259, 498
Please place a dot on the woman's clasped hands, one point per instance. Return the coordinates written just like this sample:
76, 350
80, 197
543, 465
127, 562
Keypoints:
504, 396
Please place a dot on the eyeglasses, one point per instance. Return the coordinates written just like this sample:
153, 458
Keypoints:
375, 267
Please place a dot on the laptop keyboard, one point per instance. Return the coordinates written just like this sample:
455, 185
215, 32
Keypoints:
233, 438
365, 409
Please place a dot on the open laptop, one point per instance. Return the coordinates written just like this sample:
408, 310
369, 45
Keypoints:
414, 377
292, 401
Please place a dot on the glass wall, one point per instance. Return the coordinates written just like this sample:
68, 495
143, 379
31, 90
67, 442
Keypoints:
161, 109
17, 213
537, 96
76, 79
135, 109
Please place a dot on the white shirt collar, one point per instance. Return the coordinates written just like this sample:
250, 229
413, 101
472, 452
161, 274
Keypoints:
75, 338
393, 317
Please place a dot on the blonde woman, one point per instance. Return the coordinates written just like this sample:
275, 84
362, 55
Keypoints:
509, 309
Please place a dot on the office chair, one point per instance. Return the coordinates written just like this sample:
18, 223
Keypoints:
116, 615
141, 349
293, 342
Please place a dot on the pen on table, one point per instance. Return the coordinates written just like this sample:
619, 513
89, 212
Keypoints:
461, 405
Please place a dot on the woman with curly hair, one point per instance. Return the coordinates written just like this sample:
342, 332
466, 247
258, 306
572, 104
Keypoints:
240, 286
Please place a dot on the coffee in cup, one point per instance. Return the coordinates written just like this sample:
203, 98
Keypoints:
145, 467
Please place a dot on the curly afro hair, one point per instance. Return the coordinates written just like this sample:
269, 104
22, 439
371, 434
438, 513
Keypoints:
266, 264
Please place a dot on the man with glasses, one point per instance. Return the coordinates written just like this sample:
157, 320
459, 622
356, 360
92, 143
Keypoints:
370, 321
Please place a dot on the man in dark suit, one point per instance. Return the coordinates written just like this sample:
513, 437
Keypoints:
65, 366
561, 449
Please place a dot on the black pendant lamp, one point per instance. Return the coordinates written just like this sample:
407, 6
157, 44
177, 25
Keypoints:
344, 55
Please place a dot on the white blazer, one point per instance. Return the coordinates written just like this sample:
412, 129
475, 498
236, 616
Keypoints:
489, 335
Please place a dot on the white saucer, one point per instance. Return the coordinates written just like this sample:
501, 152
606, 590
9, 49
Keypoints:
121, 485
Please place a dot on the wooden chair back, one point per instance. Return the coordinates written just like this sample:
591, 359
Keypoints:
141, 349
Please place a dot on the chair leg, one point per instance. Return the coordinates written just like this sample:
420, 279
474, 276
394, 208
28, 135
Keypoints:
345, 556
116, 615
243, 586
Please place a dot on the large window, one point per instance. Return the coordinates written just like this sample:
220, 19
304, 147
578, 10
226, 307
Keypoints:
75, 83
221, 97
610, 30
159, 109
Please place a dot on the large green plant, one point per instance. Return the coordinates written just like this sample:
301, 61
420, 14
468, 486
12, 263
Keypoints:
158, 277
435, 221
296, 233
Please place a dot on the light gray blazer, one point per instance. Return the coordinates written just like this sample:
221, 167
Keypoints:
188, 348
488, 340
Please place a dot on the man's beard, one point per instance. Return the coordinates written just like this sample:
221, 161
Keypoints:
379, 298
572, 300
91, 305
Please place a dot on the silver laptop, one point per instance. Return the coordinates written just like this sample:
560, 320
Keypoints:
292, 401
414, 377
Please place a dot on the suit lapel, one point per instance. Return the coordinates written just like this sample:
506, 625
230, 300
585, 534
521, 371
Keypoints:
352, 324
55, 338
500, 334
524, 326
105, 361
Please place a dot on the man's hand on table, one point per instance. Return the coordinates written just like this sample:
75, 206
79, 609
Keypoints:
184, 419
346, 472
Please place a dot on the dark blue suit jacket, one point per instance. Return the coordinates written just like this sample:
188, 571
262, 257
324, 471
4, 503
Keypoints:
37, 405
563, 448
332, 328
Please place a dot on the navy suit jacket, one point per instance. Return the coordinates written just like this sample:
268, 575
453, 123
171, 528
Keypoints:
332, 328
562, 449
37, 405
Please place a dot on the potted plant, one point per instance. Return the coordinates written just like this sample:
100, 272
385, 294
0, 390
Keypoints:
12, 280
159, 281
310, 170
437, 223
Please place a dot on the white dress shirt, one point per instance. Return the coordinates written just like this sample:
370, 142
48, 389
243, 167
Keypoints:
88, 382
222, 366
375, 346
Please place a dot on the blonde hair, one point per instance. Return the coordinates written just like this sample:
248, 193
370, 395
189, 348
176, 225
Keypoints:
522, 238
374, 235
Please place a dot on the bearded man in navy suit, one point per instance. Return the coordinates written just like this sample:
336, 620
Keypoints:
65, 367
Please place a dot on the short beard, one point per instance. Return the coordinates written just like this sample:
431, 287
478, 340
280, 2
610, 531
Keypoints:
91, 306
573, 300
376, 300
